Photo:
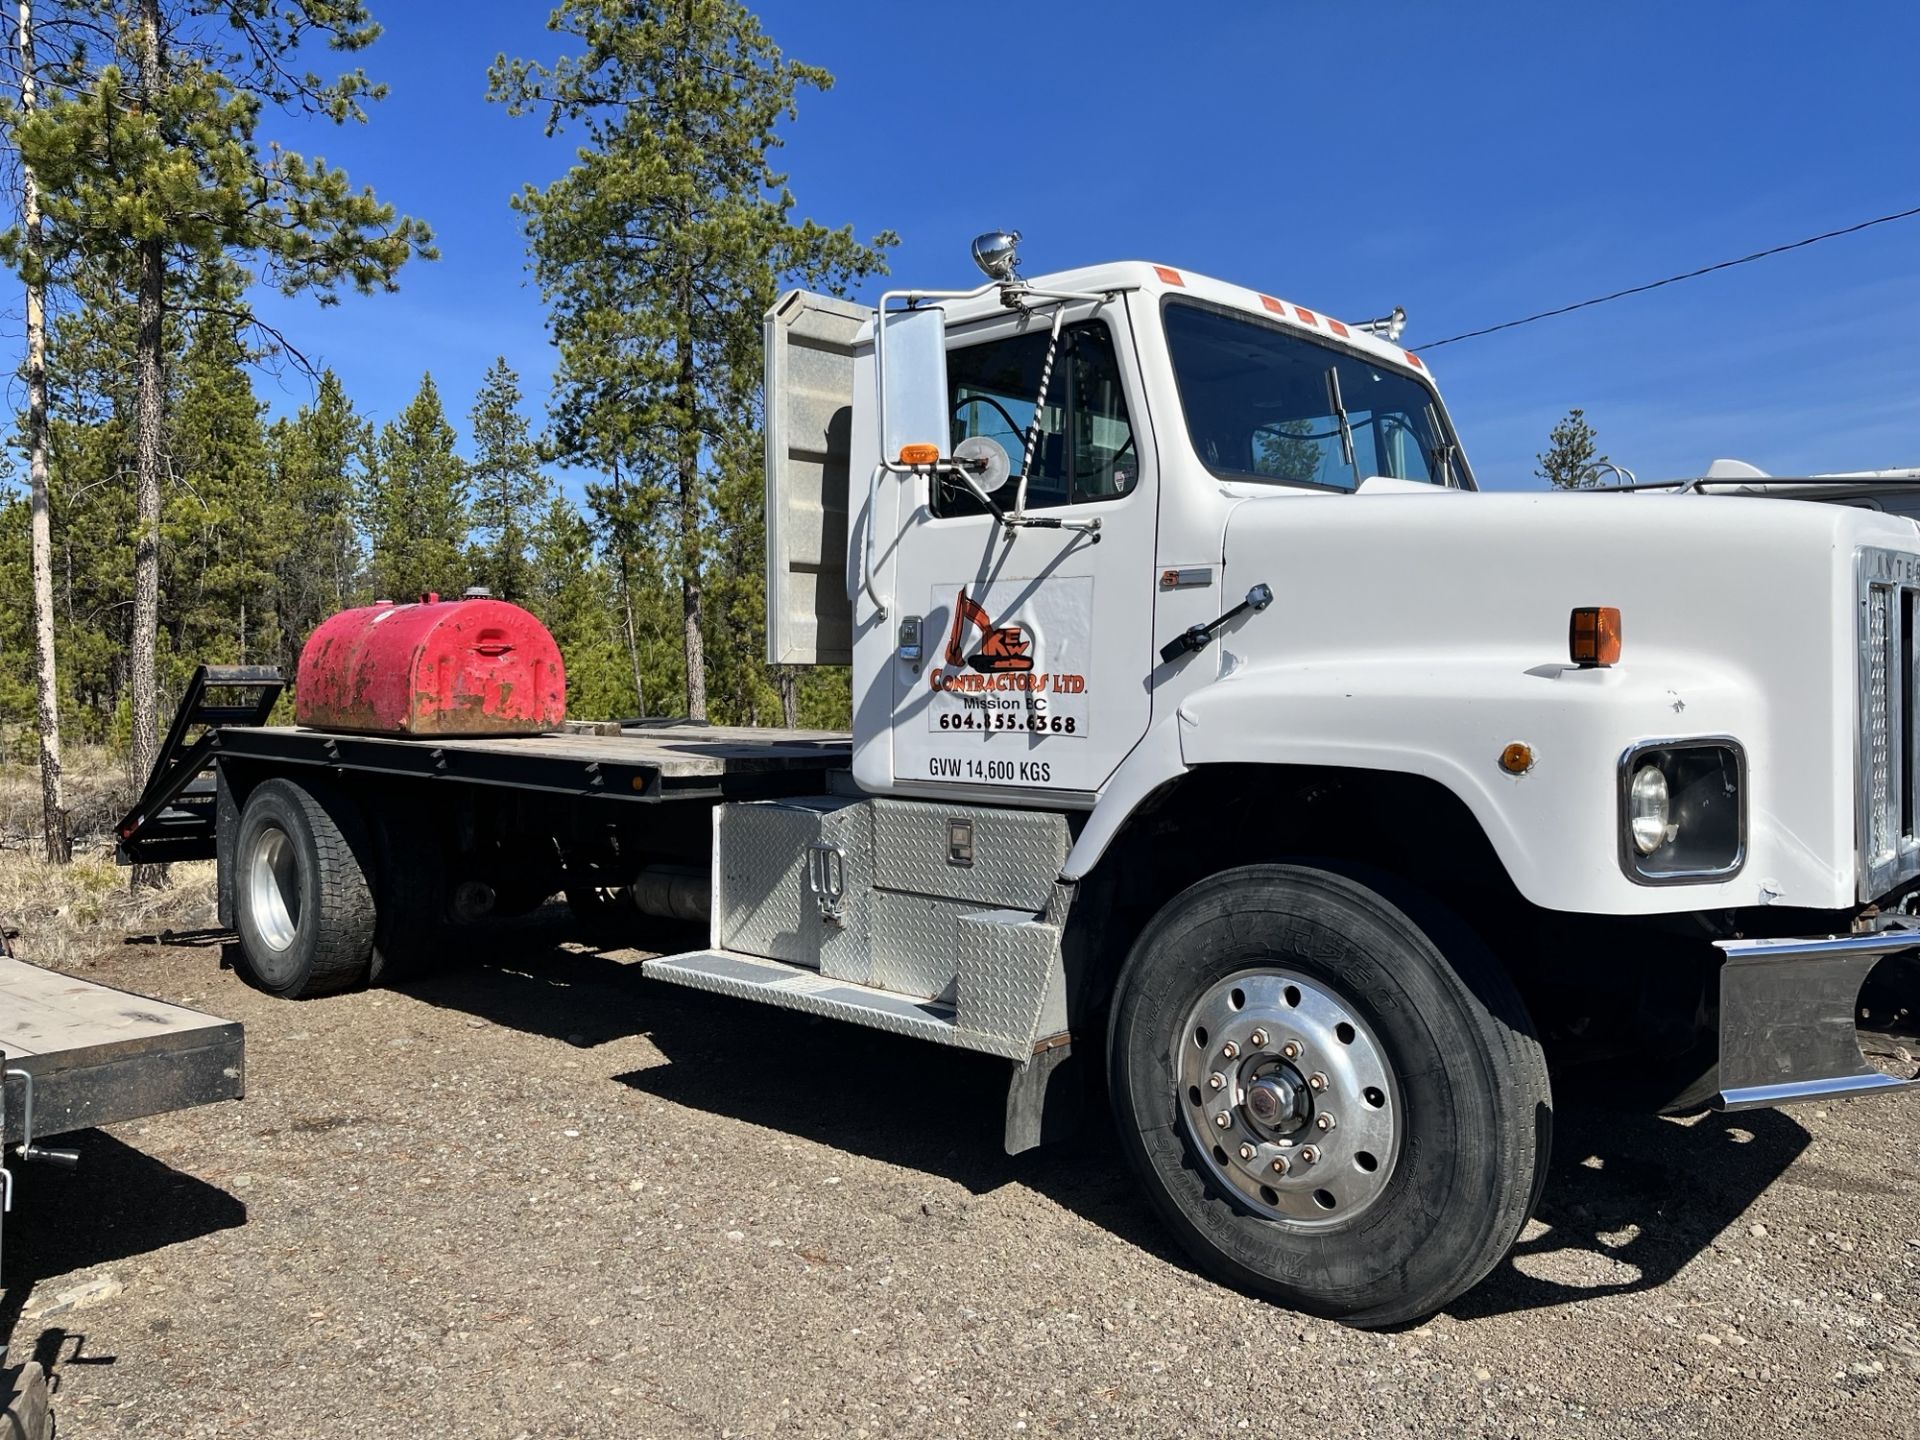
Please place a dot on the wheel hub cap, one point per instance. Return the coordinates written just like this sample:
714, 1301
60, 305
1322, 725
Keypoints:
1288, 1097
273, 882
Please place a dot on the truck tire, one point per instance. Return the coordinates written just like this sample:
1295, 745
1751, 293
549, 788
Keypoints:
305, 910
1264, 1001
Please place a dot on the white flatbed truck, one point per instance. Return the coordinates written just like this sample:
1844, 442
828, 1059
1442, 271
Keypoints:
1209, 725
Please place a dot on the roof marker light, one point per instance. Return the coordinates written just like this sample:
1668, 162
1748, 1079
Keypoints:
1336, 327
1168, 274
1414, 360
1306, 316
1276, 306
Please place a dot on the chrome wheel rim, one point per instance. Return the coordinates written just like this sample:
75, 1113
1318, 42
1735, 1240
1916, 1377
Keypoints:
273, 888
1288, 1097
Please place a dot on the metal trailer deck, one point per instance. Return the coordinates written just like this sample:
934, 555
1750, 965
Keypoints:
222, 716
635, 762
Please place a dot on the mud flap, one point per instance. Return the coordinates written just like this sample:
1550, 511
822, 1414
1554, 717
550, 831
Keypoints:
1787, 1018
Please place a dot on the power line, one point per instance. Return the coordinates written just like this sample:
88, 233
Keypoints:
1675, 279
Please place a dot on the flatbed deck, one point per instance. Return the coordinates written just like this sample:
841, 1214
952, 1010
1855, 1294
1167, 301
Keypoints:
99, 1056
641, 762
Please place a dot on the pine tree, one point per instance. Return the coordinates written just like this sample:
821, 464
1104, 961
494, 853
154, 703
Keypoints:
46, 683
153, 159
571, 591
227, 526
657, 253
415, 504
320, 460
509, 491
1571, 460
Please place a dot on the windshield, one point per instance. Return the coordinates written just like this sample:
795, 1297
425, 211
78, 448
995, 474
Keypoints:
1263, 404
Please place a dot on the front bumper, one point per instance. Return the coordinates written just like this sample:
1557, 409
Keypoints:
1787, 1018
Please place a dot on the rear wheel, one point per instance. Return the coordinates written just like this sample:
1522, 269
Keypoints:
305, 910
1333, 1105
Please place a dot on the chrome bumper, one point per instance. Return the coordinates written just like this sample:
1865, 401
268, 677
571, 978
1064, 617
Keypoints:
1787, 1012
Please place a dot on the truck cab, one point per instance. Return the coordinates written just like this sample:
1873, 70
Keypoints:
1203, 577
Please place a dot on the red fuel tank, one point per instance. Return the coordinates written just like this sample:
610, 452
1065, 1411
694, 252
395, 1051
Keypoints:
441, 667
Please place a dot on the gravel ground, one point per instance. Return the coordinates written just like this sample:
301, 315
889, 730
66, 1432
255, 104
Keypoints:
544, 1197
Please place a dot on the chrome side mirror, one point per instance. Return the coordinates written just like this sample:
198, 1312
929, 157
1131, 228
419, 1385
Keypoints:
911, 351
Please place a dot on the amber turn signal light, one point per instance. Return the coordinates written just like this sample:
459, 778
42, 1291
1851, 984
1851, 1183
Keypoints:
1593, 637
919, 454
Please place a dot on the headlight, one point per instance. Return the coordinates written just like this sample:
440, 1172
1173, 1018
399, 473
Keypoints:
1683, 813
1647, 799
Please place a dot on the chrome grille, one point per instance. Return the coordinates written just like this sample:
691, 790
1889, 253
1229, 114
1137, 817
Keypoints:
1889, 750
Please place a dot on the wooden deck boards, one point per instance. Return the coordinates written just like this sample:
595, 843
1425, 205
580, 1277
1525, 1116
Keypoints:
100, 1055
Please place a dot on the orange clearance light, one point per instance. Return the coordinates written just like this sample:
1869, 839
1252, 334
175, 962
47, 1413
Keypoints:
1517, 758
1169, 275
919, 454
1593, 637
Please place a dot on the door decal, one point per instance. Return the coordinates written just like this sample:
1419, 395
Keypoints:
1016, 658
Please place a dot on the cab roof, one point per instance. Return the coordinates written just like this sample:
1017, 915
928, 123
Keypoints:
1155, 280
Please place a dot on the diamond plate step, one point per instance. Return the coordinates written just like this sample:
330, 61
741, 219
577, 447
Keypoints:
773, 982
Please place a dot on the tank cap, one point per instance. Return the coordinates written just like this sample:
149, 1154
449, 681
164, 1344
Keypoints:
429, 597
476, 592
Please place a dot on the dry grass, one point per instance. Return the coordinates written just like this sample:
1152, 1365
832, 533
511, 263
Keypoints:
98, 791
65, 914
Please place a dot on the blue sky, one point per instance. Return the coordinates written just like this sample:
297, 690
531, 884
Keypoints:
1473, 163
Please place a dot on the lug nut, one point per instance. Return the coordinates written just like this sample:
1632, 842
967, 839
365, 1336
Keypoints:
1291, 1050
1246, 1152
1280, 1166
1259, 1038
1229, 1049
1309, 1154
1223, 1120
1316, 1081
1216, 1081
1325, 1122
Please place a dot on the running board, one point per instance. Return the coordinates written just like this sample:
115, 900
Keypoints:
774, 982
1787, 1018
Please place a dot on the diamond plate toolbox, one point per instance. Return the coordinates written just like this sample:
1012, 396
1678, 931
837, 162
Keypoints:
762, 903
1015, 855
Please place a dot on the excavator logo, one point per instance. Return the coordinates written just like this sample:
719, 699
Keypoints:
1003, 649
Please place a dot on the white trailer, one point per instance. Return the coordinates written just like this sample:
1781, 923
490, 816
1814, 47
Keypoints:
1212, 730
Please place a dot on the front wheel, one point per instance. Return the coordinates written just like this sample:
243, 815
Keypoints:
1333, 1105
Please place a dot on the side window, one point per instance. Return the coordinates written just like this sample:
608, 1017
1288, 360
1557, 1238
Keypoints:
1083, 449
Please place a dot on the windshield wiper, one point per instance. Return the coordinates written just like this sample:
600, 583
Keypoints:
1340, 413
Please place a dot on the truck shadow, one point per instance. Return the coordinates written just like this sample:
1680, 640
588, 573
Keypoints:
1629, 1200
116, 1204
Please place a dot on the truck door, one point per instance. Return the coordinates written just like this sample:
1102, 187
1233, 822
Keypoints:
1036, 644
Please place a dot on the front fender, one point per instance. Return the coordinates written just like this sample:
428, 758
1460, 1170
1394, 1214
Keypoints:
1555, 828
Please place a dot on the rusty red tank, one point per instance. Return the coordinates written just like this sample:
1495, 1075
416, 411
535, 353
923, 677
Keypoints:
439, 667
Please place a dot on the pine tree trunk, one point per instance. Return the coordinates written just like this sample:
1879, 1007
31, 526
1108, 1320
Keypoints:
789, 697
145, 697
690, 518
46, 686
626, 599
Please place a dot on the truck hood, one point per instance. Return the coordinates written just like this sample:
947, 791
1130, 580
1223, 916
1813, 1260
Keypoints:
1426, 570
1426, 632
